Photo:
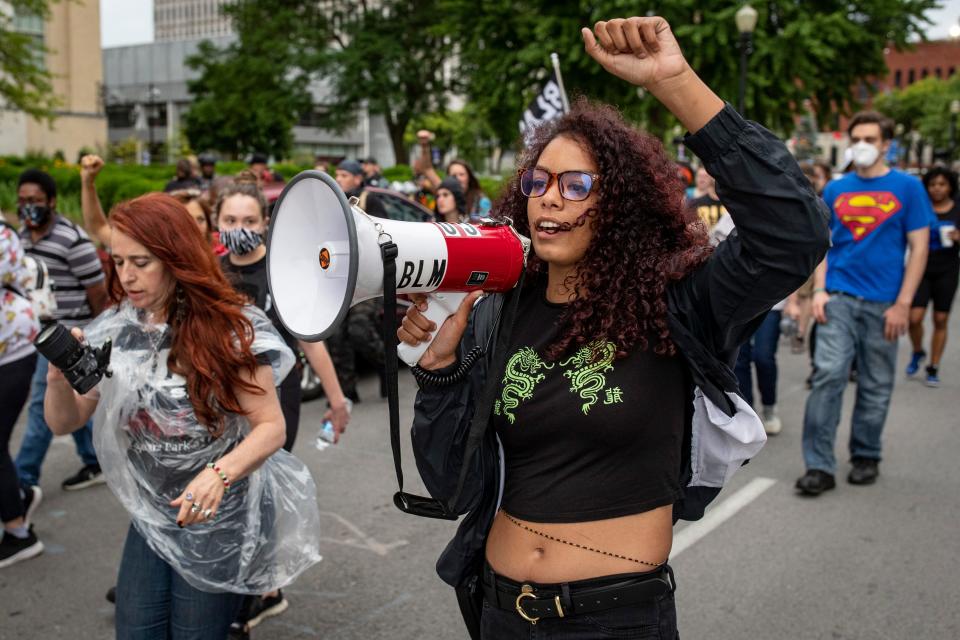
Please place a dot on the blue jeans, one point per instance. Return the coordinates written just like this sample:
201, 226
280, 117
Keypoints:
854, 328
761, 350
36, 439
155, 603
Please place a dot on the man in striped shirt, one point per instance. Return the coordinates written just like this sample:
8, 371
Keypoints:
78, 287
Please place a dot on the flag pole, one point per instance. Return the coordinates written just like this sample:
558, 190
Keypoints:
555, 59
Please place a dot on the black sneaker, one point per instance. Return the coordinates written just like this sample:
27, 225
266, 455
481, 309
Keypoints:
14, 549
112, 595
238, 631
88, 476
865, 471
263, 608
815, 482
32, 496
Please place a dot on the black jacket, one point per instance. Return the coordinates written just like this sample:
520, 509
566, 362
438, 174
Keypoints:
782, 233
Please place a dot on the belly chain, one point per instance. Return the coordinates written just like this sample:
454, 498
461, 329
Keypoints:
578, 546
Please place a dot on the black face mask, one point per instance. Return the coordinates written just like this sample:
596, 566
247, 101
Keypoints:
34, 215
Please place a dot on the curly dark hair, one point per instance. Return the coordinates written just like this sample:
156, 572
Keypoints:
640, 239
950, 176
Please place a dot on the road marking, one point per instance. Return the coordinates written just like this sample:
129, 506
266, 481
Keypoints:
719, 514
368, 543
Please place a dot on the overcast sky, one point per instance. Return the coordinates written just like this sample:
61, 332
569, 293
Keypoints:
131, 21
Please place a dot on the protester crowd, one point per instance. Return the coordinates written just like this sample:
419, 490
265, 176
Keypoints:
895, 251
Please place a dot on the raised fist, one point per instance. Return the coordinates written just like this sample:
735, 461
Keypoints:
90, 166
642, 51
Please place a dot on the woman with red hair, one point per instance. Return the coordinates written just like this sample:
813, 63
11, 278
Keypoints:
603, 406
189, 429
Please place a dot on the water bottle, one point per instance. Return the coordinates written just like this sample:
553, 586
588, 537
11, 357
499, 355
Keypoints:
789, 327
325, 436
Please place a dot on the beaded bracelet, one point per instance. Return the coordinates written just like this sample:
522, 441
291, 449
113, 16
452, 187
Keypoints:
223, 476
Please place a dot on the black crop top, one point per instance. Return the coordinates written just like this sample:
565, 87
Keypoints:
586, 437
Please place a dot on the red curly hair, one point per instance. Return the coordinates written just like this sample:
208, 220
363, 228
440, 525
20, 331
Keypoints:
640, 242
211, 336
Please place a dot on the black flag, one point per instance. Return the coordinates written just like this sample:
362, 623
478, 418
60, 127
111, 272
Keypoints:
547, 106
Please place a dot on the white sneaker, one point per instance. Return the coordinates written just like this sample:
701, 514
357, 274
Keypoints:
771, 421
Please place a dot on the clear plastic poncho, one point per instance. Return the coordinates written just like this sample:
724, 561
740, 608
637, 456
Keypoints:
150, 446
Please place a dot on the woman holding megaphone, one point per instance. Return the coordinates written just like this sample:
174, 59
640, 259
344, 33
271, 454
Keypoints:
604, 406
188, 432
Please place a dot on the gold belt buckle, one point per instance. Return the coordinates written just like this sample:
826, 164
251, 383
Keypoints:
526, 591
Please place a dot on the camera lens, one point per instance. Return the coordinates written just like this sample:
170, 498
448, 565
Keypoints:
57, 344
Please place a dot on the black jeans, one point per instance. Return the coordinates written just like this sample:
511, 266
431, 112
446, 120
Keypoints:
289, 393
14, 390
653, 620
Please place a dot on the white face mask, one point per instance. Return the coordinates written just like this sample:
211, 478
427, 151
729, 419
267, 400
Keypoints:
864, 154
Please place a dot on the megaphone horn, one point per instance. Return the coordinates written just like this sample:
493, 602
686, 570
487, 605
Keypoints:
323, 256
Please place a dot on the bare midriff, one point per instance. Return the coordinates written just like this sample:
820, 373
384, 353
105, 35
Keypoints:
523, 556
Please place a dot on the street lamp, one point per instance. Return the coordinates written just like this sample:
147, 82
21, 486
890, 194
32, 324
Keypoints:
746, 19
898, 132
916, 147
954, 111
152, 94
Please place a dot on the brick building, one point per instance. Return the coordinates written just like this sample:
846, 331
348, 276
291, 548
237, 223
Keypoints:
939, 58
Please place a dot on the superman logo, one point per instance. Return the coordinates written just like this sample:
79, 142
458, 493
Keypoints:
862, 212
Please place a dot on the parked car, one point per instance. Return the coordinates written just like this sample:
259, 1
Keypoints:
400, 207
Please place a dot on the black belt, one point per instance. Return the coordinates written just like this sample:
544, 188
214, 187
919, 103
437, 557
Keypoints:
837, 292
535, 601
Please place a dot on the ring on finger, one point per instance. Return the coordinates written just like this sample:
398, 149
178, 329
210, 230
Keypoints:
207, 513
188, 497
195, 508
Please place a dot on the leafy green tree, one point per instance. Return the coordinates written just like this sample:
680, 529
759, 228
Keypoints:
924, 107
821, 49
251, 93
387, 55
464, 130
25, 82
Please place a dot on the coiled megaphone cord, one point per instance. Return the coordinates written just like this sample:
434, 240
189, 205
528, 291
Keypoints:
432, 379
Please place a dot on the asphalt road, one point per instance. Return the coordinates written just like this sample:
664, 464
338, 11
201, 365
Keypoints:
880, 562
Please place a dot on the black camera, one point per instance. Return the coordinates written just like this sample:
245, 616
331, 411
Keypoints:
81, 364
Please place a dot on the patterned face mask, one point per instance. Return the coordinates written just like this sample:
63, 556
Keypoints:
33, 215
240, 241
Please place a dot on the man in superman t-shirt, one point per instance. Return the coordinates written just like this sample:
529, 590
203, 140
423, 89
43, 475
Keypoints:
862, 297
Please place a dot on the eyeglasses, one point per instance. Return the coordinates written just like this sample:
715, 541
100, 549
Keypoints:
574, 185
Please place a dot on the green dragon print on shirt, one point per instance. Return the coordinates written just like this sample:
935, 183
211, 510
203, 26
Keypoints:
588, 366
520, 379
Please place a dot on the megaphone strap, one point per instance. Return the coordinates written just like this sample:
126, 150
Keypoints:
406, 502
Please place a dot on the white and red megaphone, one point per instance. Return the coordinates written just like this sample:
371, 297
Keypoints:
323, 257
